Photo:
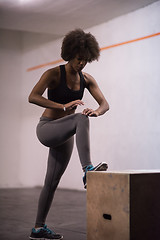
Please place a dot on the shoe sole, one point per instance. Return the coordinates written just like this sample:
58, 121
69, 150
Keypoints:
46, 238
100, 167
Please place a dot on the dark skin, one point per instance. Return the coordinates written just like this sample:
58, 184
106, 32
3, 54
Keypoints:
51, 79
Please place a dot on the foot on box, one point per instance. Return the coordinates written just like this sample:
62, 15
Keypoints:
100, 167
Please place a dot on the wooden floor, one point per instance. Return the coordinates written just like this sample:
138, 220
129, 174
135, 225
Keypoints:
18, 209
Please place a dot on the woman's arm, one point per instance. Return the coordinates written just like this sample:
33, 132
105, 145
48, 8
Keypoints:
95, 91
35, 97
50, 77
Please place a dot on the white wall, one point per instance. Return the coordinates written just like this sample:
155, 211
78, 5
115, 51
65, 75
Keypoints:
128, 136
129, 76
10, 105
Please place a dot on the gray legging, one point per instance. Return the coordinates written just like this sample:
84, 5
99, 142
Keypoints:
58, 136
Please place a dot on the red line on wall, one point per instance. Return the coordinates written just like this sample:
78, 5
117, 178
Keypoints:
134, 40
102, 49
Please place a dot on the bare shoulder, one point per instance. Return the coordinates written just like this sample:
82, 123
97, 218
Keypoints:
89, 79
52, 73
52, 76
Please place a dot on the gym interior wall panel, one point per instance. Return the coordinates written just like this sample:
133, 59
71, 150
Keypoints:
10, 105
126, 137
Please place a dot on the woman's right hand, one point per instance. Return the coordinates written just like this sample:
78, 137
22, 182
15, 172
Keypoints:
73, 104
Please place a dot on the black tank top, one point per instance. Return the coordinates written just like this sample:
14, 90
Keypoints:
62, 93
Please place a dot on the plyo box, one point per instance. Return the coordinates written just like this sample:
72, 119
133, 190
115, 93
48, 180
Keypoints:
123, 205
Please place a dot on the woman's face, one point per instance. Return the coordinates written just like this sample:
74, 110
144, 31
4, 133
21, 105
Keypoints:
78, 63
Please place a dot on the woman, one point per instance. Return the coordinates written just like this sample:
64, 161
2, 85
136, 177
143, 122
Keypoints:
59, 122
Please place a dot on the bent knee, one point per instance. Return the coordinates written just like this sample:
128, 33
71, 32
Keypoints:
82, 117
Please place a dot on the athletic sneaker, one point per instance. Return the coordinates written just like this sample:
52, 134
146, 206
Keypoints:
100, 167
44, 233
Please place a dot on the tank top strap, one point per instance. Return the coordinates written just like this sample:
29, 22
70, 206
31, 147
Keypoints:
63, 73
83, 82
63, 77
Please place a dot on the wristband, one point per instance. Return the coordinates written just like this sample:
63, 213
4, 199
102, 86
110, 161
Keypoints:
64, 108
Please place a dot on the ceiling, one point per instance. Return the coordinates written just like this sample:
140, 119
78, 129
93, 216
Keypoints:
57, 17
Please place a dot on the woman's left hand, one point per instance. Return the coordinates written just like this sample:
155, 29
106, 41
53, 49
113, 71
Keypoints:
90, 112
